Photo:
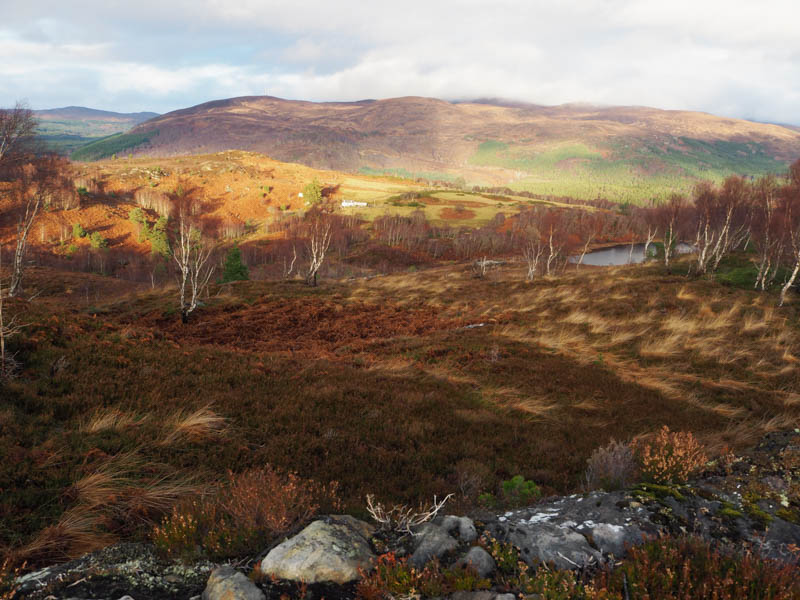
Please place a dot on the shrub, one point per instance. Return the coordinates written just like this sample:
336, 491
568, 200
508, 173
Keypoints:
250, 510
8, 574
612, 467
234, 269
669, 457
159, 241
514, 575
690, 568
312, 192
97, 240
137, 216
183, 533
514, 492
78, 231
392, 577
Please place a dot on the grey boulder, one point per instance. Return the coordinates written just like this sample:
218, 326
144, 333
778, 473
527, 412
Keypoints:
480, 560
463, 527
430, 541
332, 549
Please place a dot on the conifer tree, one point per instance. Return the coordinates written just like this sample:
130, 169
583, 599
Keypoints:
234, 269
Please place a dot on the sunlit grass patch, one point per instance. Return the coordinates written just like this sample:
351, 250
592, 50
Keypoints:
196, 425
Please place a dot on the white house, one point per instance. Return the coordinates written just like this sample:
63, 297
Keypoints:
349, 203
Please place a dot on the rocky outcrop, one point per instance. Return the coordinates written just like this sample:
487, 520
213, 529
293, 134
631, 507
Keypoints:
121, 570
739, 501
329, 550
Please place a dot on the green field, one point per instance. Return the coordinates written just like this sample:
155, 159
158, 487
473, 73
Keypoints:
111, 145
625, 172
461, 208
65, 143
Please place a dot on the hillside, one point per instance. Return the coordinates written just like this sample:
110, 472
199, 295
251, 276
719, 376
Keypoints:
240, 192
622, 153
67, 129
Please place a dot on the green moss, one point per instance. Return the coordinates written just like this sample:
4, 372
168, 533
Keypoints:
762, 518
729, 511
660, 492
788, 514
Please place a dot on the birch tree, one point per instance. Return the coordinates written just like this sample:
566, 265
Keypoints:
8, 328
17, 132
670, 218
35, 183
721, 221
191, 253
319, 240
790, 208
766, 231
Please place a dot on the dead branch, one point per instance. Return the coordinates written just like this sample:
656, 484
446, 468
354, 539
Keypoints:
402, 518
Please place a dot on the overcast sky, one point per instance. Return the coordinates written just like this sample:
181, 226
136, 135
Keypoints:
739, 59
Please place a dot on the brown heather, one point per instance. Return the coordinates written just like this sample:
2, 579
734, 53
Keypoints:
669, 457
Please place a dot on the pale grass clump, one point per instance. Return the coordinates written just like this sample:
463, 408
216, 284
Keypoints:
669, 457
78, 531
612, 467
116, 490
681, 325
756, 324
596, 323
662, 346
623, 337
197, 425
111, 419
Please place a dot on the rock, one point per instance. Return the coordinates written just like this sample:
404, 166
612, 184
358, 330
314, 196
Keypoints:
562, 546
480, 559
226, 583
505, 597
430, 541
461, 526
612, 539
480, 595
329, 550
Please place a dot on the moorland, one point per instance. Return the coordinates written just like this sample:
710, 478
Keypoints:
448, 340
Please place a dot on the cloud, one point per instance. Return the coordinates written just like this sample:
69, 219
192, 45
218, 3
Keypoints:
740, 60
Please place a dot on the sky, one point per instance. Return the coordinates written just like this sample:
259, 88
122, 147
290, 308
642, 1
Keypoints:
737, 59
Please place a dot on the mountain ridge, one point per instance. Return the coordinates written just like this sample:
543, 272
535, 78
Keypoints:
624, 153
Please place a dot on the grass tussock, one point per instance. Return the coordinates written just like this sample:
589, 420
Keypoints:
111, 419
197, 425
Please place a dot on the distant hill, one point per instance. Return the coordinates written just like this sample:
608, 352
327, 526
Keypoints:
68, 128
622, 153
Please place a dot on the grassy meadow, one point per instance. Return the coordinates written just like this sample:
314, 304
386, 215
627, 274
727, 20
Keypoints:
405, 386
459, 208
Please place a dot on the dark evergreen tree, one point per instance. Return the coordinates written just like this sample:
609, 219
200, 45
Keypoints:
234, 269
